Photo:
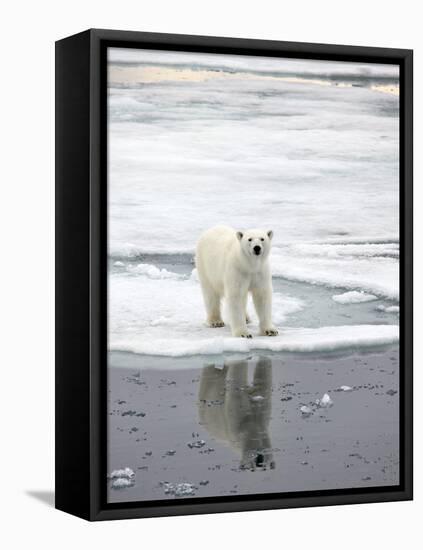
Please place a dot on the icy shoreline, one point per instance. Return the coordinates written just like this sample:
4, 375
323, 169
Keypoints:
350, 337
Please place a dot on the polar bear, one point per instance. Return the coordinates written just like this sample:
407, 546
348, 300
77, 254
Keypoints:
230, 264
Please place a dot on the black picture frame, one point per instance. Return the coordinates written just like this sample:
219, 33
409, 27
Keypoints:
81, 273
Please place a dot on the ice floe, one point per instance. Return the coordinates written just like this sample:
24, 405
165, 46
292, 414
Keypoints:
316, 163
152, 316
377, 275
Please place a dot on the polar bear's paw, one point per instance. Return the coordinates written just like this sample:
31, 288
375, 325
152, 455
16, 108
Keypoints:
270, 331
216, 323
241, 333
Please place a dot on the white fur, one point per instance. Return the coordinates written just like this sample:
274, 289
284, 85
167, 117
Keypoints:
228, 268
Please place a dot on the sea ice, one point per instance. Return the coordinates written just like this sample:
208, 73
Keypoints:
127, 473
378, 276
353, 297
122, 483
306, 411
179, 489
196, 444
153, 272
326, 185
122, 478
325, 401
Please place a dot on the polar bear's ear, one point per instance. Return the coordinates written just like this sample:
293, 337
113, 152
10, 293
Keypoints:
239, 235
270, 234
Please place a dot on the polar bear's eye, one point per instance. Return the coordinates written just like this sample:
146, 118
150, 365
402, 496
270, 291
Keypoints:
262, 239
250, 240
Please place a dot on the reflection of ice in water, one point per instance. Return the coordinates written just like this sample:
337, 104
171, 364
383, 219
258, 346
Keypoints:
238, 413
249, 142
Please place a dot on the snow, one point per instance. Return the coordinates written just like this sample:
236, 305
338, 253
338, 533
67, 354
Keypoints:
388, 309
199, 139
274, 66
313, 162
378, 275
353, 297
149, 314
305, 340
152, 272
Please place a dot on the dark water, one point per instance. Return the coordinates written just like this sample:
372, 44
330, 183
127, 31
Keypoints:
203, 427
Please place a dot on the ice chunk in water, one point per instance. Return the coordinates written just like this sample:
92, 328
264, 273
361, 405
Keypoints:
179, 489
345, 388
196, 444
325, 402
126, 473
306, 411
122, 483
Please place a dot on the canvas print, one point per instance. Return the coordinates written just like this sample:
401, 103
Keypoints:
253, 275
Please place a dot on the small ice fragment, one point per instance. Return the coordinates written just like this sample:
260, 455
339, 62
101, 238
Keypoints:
306, 411
122, 483
118, 264
179, 489
196, 444
325, 402
171, 452
257, 398
204, 482
127, 473
391, 392
345, 388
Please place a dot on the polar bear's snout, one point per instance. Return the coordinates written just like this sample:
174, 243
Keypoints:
257, 250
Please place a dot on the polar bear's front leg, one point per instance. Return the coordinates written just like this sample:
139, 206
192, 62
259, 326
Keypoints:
262, 298
236, 305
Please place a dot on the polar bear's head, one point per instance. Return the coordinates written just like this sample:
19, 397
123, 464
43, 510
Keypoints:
255, 242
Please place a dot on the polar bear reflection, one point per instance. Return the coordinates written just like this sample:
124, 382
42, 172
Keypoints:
238, 413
